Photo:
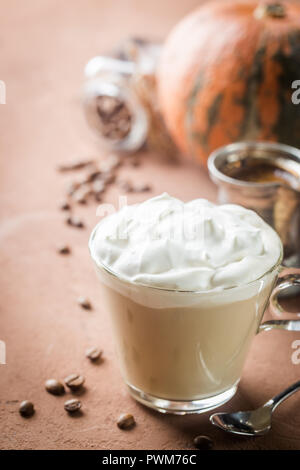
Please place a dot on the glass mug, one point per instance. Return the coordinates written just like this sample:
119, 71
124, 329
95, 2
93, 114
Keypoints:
183, 351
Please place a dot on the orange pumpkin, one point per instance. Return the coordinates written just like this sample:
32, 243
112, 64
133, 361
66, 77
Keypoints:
226, 74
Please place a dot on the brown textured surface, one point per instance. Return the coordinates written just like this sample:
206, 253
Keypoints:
44, 46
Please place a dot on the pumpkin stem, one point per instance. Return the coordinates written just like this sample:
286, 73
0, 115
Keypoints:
271, 10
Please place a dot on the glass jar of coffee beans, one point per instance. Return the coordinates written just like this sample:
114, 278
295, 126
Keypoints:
112, 106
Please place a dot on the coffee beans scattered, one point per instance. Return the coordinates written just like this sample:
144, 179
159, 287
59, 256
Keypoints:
93, 354
203, 442
26, 408
74, 382
54, 387
85, 303
73, 405
126, 421
64, 250
98, 175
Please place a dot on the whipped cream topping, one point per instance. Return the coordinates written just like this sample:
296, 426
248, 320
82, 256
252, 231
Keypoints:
197, 245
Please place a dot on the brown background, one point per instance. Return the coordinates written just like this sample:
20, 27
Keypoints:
44, 45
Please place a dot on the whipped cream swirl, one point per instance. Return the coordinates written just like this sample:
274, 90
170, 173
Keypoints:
164, 242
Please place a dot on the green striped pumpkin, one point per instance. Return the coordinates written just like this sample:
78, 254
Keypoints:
226, 75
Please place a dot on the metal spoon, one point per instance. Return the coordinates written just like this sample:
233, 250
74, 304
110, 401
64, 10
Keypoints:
252, 423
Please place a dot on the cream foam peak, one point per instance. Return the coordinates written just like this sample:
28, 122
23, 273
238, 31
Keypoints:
164, 242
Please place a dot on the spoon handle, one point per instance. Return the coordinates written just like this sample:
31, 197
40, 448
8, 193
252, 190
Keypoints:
275, 401
290, 325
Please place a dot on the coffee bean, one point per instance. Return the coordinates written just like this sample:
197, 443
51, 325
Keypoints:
203, 443
26, 408
98, 197
129, 187
108, 177
81, 195
98, 187
81, 199
141, 187
74, 222
72, 186
71, 406
85, 303
108, 105
134, 161
110, 163
54, 387
126, 421
82, 181
93, 175
93, 354
74, 381
126, 186
115, 117
123, 126
77, 165
64, 250
65, 206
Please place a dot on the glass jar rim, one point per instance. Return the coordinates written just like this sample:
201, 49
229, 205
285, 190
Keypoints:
221, 177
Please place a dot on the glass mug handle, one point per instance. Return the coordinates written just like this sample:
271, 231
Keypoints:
284, 282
